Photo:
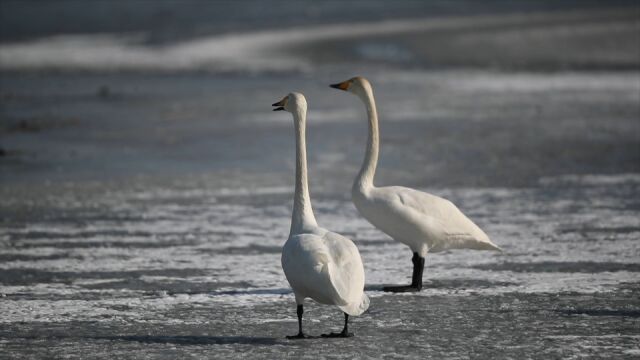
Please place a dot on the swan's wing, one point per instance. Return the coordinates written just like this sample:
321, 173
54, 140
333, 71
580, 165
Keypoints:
304, 261
444, 218
346, 271
326, 268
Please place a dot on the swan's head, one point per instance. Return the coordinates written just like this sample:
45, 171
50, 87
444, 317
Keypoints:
294, 102
356, 85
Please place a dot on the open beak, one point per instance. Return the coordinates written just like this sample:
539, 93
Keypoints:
280, 104
341, 86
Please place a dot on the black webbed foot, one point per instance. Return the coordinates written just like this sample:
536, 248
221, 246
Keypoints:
298, 337
416, 277
401, 288
345, 331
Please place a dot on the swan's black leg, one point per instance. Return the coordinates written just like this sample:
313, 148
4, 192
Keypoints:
416, 277
301, 335
345, 331
418, 269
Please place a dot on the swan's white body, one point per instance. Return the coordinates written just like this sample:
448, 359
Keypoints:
319, 264
326, 267
424, 222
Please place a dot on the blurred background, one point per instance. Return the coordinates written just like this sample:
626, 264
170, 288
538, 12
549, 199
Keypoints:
143, 174
495, 93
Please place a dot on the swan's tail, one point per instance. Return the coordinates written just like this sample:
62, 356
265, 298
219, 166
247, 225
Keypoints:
491, 246
356, 308
479, 242
482, 242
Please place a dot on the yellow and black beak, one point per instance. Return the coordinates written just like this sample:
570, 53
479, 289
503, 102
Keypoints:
280, 104
342, 86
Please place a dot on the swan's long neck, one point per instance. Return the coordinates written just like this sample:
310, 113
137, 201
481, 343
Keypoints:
364, 180
302, 217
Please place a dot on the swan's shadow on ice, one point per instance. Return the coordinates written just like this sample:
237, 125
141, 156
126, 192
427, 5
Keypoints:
376, 287
602, 312
195, 340
451, 284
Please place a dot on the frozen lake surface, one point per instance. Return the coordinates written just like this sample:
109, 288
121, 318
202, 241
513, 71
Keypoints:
145, 194
196, 271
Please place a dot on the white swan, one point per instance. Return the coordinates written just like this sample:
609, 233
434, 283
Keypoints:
319, 264
424, 222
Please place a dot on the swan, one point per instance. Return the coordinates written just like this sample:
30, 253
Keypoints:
319, 264
424, 222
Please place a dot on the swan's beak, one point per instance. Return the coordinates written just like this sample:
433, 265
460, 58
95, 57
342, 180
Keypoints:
342, 86
280, 104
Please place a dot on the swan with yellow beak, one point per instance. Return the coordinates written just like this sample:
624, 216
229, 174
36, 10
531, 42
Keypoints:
424, 222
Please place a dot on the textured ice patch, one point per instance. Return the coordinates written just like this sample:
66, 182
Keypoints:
179, 252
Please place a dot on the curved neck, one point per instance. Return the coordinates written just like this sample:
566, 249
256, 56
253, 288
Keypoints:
302, 217
364, 180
